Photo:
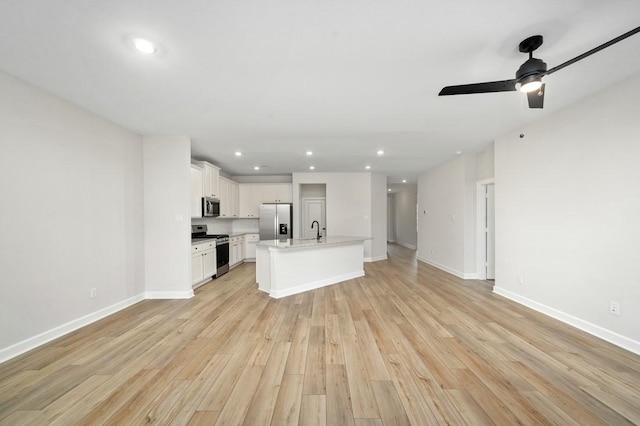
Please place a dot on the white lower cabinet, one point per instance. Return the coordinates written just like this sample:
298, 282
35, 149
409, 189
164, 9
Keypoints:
203, 262
250, 241
236, 250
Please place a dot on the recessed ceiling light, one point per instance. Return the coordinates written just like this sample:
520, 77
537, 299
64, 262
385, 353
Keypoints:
404, 181
367, 167
256, 167
238, 154
389, 189
309, 152
312, 167
144, 46
458, 152
381, 152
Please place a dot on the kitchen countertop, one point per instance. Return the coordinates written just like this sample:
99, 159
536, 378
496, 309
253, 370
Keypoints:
238, 234
310, 242
201, 240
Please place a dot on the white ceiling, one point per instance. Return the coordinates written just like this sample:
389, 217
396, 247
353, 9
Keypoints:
344, 78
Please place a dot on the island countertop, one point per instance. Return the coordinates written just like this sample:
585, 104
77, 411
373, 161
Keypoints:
294, 243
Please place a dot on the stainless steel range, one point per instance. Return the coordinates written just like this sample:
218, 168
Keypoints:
199, 232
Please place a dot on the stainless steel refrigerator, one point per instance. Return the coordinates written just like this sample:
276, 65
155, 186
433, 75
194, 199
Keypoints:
276, 221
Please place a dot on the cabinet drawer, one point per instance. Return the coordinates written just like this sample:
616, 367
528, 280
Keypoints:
196, 248
252, 237
208, 245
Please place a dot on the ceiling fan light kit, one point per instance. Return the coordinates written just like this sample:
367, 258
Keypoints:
529, 75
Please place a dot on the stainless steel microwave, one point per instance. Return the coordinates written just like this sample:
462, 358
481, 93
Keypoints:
210, 207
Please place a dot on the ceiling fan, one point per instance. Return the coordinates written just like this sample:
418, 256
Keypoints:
529, 75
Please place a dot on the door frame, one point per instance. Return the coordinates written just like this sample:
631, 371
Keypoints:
481, 219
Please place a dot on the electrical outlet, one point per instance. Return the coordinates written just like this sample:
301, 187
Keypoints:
614, 308
94, 293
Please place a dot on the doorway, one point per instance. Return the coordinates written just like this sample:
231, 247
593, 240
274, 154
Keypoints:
312, 208
485, 249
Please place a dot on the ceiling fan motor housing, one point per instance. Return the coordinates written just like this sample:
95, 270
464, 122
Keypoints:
530, 70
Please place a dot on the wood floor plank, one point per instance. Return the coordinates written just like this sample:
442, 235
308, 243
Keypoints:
373, 360
313, 410
339, 409
334, 353
240, 398
297, 360
203, 418
199, 388
405, 344
389, 404
314, 374
264, 400
287, 409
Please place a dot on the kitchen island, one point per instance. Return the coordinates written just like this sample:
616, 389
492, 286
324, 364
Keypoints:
291, 266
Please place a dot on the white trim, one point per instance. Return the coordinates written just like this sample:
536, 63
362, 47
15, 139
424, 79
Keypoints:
593, 329
169, 294
201, 283
73, 325
375, 259
463, 275
276, 294
409, 246
480, 226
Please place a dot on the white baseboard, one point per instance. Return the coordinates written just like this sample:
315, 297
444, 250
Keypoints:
409, 246
315, 284
49, 335
375, 259
593, 329
463, 275
169, 294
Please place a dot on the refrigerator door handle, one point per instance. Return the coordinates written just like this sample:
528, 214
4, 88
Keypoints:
275, 225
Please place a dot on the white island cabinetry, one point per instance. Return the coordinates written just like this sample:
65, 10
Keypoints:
286, 267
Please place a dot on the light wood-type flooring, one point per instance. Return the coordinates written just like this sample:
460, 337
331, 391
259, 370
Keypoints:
406, 344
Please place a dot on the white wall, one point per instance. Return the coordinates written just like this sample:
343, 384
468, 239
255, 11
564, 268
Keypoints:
485, 168
348, 204
167, 224
71, 217
441, 222
391, 218
378, 216
568, 214
405, 217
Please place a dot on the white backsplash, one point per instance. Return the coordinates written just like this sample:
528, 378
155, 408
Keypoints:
228, 226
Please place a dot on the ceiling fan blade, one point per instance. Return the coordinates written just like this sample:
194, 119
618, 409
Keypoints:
468, 89
594, 50
536, 98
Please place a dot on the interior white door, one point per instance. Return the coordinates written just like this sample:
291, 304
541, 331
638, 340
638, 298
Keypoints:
313, 209
490, 232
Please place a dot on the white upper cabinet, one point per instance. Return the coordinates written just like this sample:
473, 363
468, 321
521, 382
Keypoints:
228, 198
235, 199
277, 192
249, 200
210, 179
251, 195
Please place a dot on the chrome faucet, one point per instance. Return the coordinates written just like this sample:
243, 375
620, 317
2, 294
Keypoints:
318, 228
